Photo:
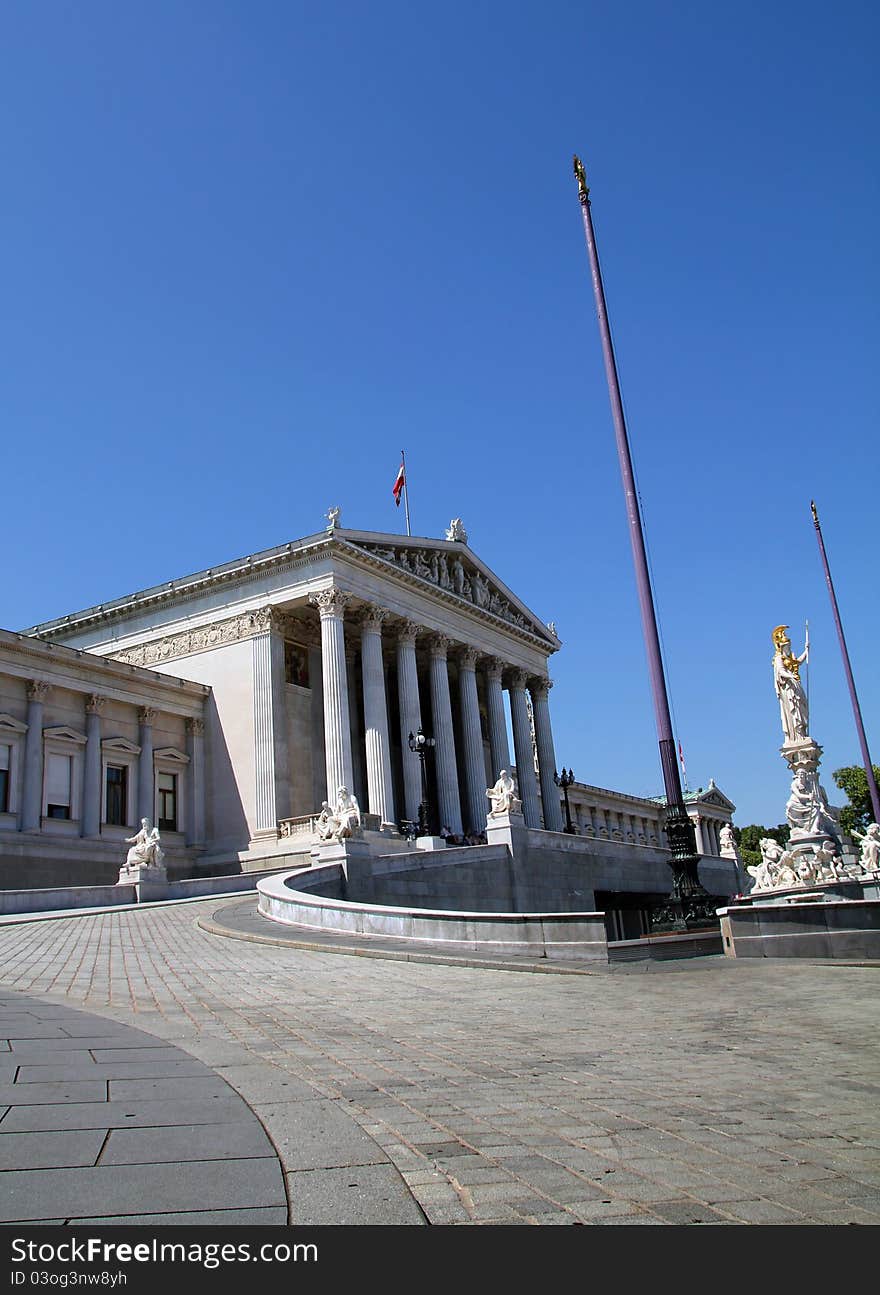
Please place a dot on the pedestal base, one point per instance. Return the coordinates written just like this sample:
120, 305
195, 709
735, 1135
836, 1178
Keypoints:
430, 842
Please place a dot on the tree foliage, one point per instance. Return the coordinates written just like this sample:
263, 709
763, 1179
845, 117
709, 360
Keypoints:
853, 780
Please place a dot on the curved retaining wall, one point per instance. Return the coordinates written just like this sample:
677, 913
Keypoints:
286, 899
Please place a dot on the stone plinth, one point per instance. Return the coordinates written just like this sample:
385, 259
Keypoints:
149, 880
430, 842
506, 829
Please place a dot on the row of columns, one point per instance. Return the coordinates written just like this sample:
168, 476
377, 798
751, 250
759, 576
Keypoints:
332, 604
708, 834
90, 815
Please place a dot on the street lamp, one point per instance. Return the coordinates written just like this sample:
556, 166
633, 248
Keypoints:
419, 745
564, 780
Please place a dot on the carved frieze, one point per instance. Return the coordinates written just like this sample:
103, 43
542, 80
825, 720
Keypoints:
188, 642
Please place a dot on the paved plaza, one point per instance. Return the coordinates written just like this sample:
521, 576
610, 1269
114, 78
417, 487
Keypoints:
148, 1060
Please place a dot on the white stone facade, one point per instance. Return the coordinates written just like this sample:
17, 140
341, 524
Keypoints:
607, 815
87, 747
322, 656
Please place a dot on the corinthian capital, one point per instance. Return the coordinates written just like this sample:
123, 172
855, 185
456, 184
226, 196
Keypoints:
95, 704
38, 690
540, 687
517, 679
195, 726
494, 668
439, 645
146, 715
373, 618
408, 632
468, 658
330, 602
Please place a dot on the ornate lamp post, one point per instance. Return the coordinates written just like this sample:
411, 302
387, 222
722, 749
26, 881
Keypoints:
420, 745
690, 900
564, 780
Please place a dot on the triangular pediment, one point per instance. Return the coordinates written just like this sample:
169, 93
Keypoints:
60, 732
10, 725
119, 746
171, 754
452, 568
715, 798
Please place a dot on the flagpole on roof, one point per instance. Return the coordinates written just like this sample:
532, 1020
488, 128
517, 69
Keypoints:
405, 492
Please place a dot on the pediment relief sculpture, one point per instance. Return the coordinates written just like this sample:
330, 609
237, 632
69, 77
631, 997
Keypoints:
456, 575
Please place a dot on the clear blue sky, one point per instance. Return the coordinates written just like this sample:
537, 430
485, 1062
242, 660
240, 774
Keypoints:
249, 250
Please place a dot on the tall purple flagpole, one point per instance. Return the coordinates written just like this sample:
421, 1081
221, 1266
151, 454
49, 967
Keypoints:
679, 828
857, 710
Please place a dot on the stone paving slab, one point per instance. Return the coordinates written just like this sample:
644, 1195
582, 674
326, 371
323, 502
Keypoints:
710, 1091
60, 1158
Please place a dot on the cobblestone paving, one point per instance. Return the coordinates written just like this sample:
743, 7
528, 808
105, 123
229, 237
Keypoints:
708, 1091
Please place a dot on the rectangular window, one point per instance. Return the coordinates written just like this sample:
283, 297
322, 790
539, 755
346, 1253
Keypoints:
58, 786
5, 761
117, 788
167, 802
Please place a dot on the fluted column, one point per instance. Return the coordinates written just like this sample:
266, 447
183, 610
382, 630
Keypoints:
146, 787
540, 690
380, 792
441, 706
701, 840
331, 604
90, 818
499, 747
32, 791
522, 748
476, 804
410, 716
195, 749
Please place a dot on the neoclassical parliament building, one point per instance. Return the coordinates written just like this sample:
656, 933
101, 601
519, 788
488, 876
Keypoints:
226, 706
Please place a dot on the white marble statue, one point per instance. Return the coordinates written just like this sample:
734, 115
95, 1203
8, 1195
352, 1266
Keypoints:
503, 796
145, 851
789, 689
807, 809
777, 866
325, 823
346, 815
728, 843
333, 516
456, 531
870, 839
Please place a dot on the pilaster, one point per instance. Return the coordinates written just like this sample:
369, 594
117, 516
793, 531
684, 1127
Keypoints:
90, 817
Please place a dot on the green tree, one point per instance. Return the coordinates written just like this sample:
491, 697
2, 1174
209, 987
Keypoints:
853, 780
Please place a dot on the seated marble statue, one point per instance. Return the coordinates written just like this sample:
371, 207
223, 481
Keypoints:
325, 823
870, 839
503, 796
144, 852
346, 815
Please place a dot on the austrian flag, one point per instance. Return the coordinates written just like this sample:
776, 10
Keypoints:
399, 483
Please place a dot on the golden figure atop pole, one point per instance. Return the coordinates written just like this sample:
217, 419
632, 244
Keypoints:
781, 641
581, 177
